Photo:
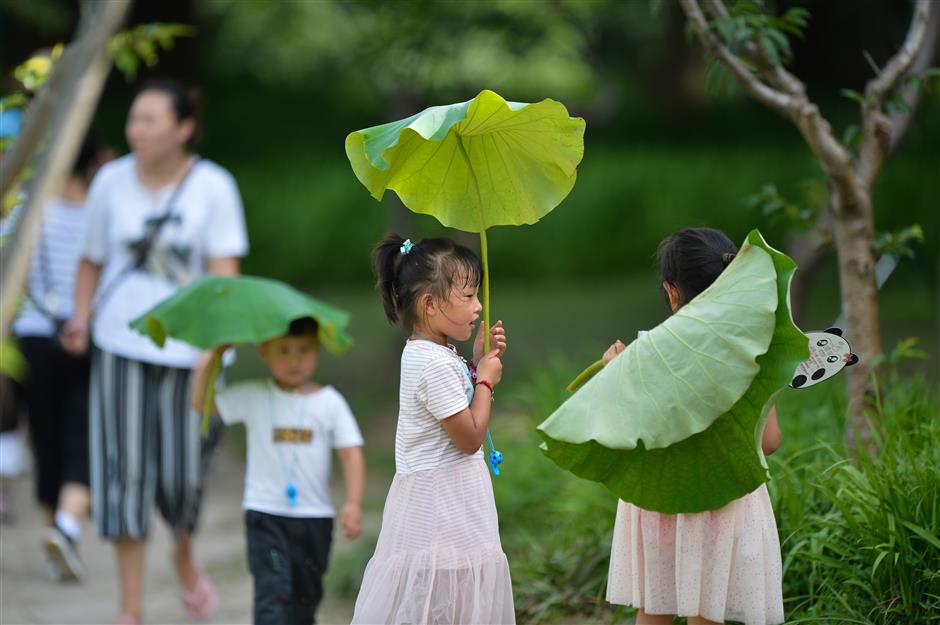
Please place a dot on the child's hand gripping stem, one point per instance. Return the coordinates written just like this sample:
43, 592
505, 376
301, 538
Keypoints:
496, 339
205, 373
616, 348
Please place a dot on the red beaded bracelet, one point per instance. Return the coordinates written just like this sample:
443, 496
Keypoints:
487, 384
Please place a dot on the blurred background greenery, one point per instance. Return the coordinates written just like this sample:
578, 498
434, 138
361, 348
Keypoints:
668, 145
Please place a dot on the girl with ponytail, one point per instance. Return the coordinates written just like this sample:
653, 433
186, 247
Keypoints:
438, 557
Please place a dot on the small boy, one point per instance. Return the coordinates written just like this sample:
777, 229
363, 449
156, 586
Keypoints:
292, 424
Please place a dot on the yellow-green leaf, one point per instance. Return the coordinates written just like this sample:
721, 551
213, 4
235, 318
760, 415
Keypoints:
476, 164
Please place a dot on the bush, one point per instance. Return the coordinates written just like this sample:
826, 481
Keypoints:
312, 223
859, 534
556, 528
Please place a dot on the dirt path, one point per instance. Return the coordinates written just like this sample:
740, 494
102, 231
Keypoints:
27, 597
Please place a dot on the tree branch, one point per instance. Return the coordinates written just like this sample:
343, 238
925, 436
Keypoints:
835, 160
895, 68
37, 119
912, 95
779, 101
83, 80
876, 126
774, 73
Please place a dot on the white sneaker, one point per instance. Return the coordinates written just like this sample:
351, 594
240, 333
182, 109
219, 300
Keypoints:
52, 569
61, 550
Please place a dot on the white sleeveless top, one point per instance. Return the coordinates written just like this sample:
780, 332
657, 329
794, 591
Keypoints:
435, 385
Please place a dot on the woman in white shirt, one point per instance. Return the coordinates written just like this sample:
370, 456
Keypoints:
157, 218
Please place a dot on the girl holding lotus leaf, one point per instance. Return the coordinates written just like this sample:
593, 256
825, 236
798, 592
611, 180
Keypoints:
677, 424
438, 559
709, 565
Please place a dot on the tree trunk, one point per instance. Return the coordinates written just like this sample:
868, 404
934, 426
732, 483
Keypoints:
809, 251
851, 179
854, 233
85, 65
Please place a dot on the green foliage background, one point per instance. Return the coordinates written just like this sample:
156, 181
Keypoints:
662, 151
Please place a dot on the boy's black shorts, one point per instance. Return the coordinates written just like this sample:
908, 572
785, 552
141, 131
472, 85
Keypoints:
287, 557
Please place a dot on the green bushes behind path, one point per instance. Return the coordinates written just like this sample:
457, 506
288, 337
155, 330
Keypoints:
859, 537
312, 223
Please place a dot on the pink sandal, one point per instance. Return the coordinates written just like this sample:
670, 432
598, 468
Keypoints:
200, 604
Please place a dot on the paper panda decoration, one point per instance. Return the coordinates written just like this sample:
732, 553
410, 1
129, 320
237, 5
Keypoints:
829, 353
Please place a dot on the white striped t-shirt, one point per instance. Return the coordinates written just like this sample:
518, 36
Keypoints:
53, 267
435, 384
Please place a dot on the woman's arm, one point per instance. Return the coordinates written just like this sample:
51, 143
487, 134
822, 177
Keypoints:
770, 441
354, 476
75, 332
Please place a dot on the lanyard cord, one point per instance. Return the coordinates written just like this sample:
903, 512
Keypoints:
290, 487
495, 458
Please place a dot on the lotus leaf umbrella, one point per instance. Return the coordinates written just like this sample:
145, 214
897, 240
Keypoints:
227, 310
473, 165
673, 423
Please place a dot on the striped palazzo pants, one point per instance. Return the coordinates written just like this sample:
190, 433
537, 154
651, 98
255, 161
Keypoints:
145, 447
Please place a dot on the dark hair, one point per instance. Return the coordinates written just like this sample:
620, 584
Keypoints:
185, 102
304, 326
692, 259
89, 158
432, 266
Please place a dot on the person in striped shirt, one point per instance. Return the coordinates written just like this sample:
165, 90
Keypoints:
438, 558
56, 387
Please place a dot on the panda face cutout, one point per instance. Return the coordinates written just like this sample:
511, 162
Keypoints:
829, 353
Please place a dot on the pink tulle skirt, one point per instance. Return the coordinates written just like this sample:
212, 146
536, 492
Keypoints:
721, 565
438, 559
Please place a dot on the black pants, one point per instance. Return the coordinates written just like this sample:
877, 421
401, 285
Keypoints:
287, 557
57, 401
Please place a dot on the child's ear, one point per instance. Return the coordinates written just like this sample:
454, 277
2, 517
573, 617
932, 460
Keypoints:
427, 303
672, 292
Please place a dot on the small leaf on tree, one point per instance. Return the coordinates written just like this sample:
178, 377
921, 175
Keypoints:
897, 104
850, 136
853, 95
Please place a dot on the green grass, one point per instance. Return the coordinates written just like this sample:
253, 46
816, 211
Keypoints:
556, 528
859, 535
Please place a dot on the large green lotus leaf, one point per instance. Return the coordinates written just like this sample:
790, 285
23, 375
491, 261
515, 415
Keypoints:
481, 163
674, 423
220, 310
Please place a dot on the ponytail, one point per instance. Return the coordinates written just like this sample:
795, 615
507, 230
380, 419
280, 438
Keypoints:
386, 257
